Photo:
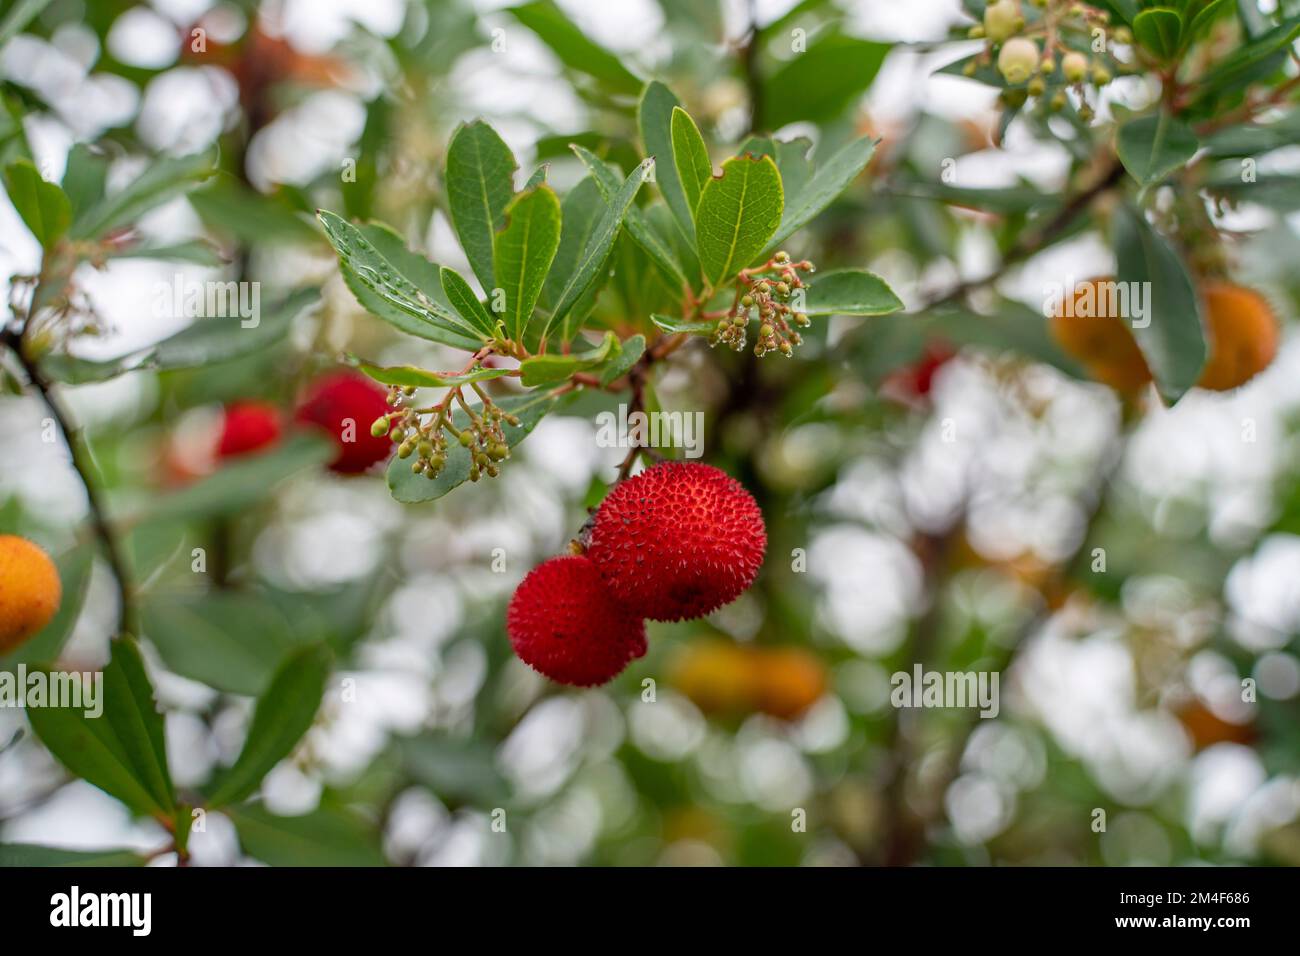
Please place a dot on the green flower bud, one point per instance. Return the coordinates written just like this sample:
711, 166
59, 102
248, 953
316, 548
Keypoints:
1017, 60
1075, 67
380, 427
1002, 20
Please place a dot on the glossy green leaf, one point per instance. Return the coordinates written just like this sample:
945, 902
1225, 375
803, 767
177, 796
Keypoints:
596, 251
690, 158
284, 713
573, 48
609, 178
739, 213
673, 324
44, 207
1151, 147
329, 836
405, 375
30, 855
828, 181
393, 291
581, 210
480, 184
410, 488
204, 342
654, 120
1159, 30
18, 16
163, 179
523, 253
120, 751
553, 369
818, 84
850, 292
620, 364
462, 298
1170, 335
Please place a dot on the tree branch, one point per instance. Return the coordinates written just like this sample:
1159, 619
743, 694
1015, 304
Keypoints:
86, 472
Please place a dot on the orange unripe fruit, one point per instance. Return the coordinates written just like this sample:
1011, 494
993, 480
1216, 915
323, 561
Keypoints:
719, 677
790, 680
29, 591
1099, 339
1241, 332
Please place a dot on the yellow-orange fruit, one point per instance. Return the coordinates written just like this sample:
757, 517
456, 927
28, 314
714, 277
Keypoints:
791, 680
29, 590
1242, 335
718, 677
1098, 339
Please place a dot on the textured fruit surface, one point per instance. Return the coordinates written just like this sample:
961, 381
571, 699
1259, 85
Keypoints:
248, 427
564, 623
1242, 335
29, 590
678, 540
1099, 339
345, 404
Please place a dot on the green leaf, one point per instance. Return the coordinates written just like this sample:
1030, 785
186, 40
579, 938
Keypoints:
1201, 23
589, 263
827, 182
793, 164
329, 836
818, 84
29, 855
553, 369
19, 15
1246, 64
480, 184
581, 211
284, 713
120, 751
538, 178
198, 251
738, 214
1172, 339
464, 301
672, 324
84, 177
405, 375
204, 342
690, 158
239, 483
621, 363
850, 292
410, 488
392, 289
1158, 29
573, 48
1151, 147
523, 252
231, 640
454, 769
44, 647
44, 207
163, 179
654, 119
609, 178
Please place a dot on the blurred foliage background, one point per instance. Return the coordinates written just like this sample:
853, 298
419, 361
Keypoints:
938, 485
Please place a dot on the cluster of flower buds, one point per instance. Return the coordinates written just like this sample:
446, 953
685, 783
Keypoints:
424, 433
776, 292
1044, 55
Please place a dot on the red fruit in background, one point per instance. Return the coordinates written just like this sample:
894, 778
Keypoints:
915, 381
346, 404
678, 541
564, 623
248, 427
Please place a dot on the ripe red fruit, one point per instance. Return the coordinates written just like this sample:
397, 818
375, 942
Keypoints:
678, 541
345, 405
248, 427
564, 623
